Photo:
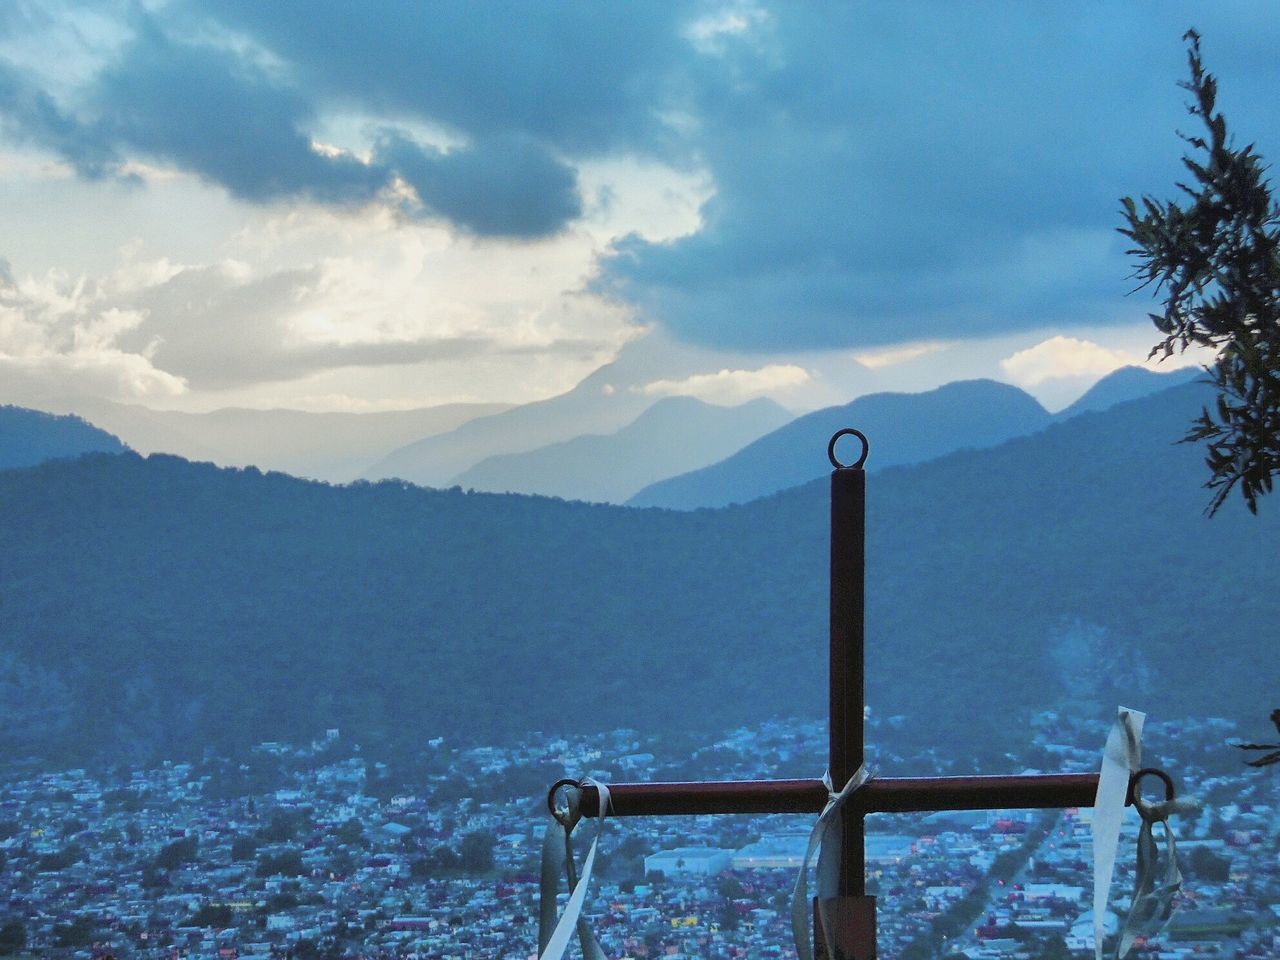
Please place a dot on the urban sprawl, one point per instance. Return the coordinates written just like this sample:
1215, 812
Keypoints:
321, 851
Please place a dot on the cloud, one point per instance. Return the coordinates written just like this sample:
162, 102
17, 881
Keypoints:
198, 106
206, 109
1060, 357
30, 115
206, 91
869, 175
311, 302
730, 386
587, 78
218, 329
503, 188
57, 337
916, 171
900, 353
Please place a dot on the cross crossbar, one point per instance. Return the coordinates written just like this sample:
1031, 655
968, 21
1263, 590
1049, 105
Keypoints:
850, 913
879, 795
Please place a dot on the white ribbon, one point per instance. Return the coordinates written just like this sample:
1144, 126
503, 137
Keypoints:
1154, 888
1121, 758
825, 840
557, 853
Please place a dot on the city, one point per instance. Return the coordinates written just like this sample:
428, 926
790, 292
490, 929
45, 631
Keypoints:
318, 851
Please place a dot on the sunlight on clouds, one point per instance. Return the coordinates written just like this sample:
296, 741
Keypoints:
331, 151
99, 332
113, 374
386, 281
356, 132
624, 195
903, 353
134, 273
730, 386
303, 304
1060, 357
57, 337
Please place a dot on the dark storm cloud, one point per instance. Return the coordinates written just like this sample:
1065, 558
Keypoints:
507, 186
244, 121
32, 116
585, 77
904, 171
203, 109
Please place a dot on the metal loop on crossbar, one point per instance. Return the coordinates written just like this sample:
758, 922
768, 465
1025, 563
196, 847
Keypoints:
1148, 810
561, 816
848, 432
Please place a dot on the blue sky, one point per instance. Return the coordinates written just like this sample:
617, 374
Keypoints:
360, 206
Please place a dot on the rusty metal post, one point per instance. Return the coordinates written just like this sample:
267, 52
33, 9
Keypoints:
851, 914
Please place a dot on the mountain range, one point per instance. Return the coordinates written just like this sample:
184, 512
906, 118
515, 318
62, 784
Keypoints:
594, 406
909, 427
674, 435
916, 427
152, 606
605, 440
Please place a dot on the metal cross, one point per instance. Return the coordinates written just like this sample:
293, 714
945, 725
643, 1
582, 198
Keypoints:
851, 914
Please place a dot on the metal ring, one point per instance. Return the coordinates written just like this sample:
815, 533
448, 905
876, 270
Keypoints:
1135, 791
848, 432
551, 796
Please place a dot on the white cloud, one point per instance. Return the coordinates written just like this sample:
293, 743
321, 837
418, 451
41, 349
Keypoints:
624, 195
380, 280
303, 305
901, 353
731, 386
1060, 357
114, 374
58, 337
709, 34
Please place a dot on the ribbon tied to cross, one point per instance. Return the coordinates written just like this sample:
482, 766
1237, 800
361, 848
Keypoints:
557, 854
825, 840
1157, 881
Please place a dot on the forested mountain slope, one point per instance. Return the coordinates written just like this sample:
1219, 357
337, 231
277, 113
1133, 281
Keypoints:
28, 437
153, 606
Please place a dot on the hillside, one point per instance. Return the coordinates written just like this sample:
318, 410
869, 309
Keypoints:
907, 427
151, 605
673, 436
29, 437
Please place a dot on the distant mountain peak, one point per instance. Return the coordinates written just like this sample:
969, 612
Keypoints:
1128, 383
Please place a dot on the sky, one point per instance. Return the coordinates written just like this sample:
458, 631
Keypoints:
328, 205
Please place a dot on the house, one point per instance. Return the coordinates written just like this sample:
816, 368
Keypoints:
704, 861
